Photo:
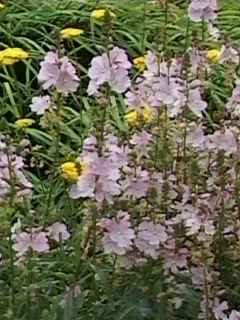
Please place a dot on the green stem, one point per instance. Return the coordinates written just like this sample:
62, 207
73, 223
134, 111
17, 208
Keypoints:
156, 160
29, 285
11, 204
144, 26
166, 155
203, 31
206, 293
56, 154
165, 34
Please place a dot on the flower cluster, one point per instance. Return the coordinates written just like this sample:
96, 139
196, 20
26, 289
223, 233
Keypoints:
99, 174
36, 239
162, 85
157, 188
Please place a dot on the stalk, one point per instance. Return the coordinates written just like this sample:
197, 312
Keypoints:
11, 205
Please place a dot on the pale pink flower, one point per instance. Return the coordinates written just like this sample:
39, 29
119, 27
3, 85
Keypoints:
223, 140
35, 240
203, 9
67, 80
176, 261
149, 237
136, 183
49, 71
15, 163
235, 315
117, 154
58, 73
160, 85
229, 55
196, 138
119, 59
58, 231
111, 69
141, 142
197, 274
219, 309
118, 234
196, 60
40, 104
100, 177
234, 101
106, 174
84, 187
191, 218
195, 102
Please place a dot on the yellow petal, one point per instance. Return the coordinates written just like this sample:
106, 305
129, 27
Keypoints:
214, 55
69, 33
24, 123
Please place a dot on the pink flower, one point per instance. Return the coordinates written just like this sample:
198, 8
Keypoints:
117, 154
174, 258
203, 9
136, 183
111, 69
235, 315
22, 186
58, 73
118, 234
58, 231
35, 240
149, 237
119, 59
219, 308
197, 276
223, 140
160, 84
67, 80
229, 55
234, 101
141, 141
100, 175
195, 102
40, 104
196, 138
196, 60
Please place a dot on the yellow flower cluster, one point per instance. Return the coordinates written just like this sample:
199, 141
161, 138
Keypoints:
69, 33
99, 14
70, 171
2, 6
214, 55
143, 115
24, 123
140, 63
12, 55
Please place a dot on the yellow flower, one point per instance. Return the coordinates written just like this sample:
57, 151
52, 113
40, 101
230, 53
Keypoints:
24, 123
140, 63
100, 14
135, 117
2, 6
70, 33
12, 55
214, 55
70, 171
